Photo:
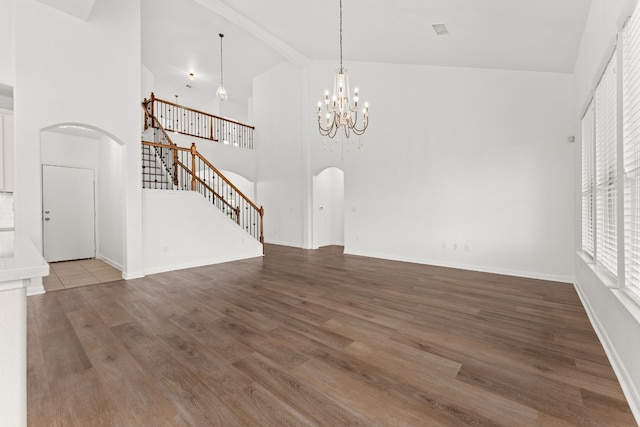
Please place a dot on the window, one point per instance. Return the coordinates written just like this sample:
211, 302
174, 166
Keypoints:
631, 152
606, 169
588, 181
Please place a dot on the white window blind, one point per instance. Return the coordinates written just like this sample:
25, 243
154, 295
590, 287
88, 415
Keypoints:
606, 170
631, 153
588, 181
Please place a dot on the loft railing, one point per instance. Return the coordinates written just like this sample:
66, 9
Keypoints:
186, 169
187, 121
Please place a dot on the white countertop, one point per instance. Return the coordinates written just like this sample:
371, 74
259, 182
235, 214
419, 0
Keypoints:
19, 260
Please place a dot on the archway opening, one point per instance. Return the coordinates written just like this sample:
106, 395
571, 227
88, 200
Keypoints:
90, 153
328, 208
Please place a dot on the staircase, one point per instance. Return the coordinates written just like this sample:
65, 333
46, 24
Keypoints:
154, 174
167, 166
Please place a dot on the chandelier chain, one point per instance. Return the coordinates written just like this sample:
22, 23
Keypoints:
341, 68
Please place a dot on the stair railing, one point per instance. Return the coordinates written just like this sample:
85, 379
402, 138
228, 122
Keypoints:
188, 121
187, 169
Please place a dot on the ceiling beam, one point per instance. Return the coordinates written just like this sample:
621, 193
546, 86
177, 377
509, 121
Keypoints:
290, 54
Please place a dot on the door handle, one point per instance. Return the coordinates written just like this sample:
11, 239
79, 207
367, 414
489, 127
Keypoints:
47, 219
46, 212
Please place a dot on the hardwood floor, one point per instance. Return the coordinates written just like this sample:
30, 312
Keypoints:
318, 338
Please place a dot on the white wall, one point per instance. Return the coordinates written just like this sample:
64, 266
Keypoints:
68, 150
110, 208
71, 71
7, 42
461, 167
222, 157
615, 317
277, 114
182, 230
247, 187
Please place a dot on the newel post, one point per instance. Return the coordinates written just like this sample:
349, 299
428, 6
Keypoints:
152, 101
193, 166
262, 226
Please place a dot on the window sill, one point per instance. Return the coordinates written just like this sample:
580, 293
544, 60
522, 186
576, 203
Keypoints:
605, 277
628, 299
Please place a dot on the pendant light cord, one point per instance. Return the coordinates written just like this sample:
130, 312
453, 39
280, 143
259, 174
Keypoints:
221, 76
341, 68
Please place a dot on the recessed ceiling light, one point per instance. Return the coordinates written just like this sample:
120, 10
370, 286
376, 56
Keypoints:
191, 76
440, 29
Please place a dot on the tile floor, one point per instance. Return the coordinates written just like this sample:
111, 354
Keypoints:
71, 274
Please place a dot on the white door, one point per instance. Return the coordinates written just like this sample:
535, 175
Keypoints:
68, 210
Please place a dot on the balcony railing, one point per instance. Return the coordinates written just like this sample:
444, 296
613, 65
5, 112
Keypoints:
188, 121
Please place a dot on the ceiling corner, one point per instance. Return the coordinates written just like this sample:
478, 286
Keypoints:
81, 9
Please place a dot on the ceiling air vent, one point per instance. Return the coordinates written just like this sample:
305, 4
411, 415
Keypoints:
440, 29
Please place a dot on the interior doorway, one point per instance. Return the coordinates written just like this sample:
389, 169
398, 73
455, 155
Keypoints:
328, 208
77, 146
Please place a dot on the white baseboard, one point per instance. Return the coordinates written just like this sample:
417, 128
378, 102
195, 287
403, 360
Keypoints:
624, 378
35, 287
281, 243
111, 262
174, 267
470, 267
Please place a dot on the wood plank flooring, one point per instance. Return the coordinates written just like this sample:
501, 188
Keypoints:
318, 338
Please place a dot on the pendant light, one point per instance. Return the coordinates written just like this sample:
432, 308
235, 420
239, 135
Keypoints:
222, 92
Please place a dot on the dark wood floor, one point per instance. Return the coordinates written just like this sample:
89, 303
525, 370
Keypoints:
318, 338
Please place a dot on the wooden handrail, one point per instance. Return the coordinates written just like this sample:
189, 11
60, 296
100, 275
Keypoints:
229, 183
153, 98
204, 113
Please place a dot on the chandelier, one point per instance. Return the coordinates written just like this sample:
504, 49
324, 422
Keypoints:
222, 92
341, 111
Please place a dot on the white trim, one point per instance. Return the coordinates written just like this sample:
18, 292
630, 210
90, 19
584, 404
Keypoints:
282, 243
174, 267
109, 261
35, 286
625, 380
470, 267
14, 284
131, 276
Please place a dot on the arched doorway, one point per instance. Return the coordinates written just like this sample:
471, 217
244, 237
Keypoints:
88, 152
328, 208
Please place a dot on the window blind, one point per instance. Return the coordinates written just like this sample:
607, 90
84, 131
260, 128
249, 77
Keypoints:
631, 151
588, 181
606, 169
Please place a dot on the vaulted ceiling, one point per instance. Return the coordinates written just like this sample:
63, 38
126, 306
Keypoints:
181, 36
